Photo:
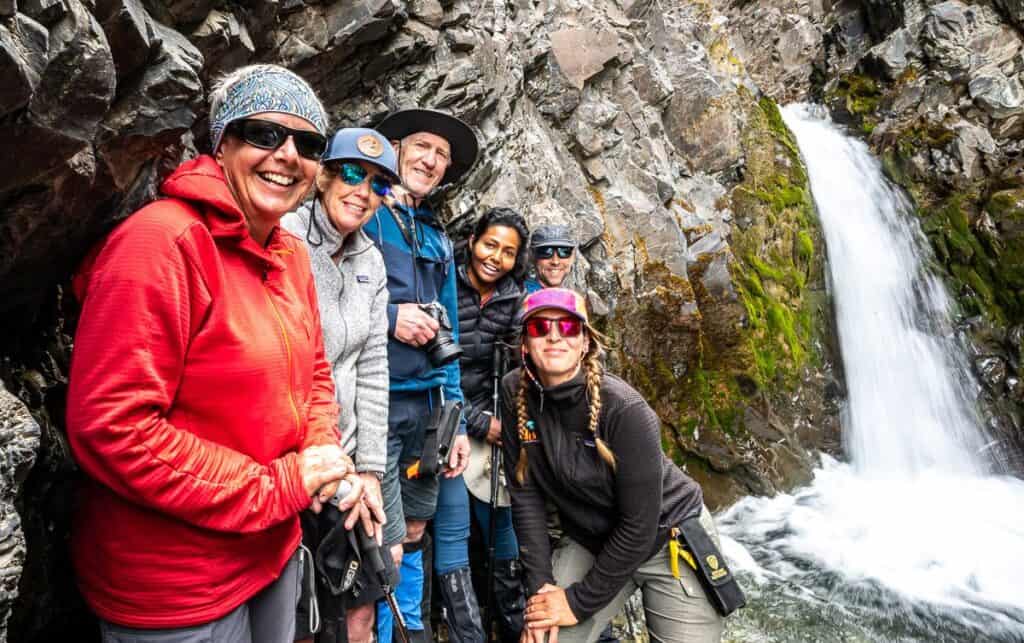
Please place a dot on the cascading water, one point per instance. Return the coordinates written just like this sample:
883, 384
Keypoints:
915, 538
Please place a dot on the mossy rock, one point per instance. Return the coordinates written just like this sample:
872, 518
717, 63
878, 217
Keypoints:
709, 359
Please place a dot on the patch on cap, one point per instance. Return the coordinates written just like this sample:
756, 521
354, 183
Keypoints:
370, 146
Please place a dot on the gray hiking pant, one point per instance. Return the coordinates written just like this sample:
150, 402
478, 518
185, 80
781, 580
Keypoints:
676, 609
267, 617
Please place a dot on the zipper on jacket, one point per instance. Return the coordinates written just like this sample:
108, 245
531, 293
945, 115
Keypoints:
288, 352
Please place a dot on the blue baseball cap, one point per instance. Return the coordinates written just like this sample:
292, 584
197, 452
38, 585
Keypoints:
362, 144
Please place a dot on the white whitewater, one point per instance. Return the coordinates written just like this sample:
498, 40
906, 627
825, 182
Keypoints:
915, 527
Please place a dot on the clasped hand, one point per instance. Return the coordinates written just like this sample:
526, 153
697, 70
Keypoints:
322, 467
546, 611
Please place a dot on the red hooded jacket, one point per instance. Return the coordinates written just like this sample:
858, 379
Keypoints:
197, 376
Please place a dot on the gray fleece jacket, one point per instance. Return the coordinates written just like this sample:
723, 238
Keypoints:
353, 298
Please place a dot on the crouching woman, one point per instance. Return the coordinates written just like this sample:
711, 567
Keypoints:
587, 442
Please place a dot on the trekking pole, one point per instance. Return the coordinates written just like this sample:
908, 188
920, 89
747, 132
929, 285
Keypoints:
492, 521
371, 553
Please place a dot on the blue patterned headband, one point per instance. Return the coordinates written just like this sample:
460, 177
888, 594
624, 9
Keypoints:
267, 88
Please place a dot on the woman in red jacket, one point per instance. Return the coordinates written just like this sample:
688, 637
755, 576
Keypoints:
200, 404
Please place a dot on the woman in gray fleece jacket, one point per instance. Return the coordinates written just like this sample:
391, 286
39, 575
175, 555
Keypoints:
358, 169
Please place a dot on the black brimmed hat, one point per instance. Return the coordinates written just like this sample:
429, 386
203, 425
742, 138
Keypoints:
460, 136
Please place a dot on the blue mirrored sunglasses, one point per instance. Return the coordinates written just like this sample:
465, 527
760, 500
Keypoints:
353, 174
546, 252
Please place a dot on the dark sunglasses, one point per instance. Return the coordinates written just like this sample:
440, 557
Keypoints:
564, 252
354, 174
541, 326
270, 136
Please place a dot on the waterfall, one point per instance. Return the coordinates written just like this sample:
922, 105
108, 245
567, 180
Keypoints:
914, 534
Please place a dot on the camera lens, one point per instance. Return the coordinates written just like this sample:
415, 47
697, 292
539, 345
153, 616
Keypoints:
442, 349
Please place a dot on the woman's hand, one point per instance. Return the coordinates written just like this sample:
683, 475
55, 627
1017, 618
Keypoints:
494, 432
549, 608
322, 467
370, 510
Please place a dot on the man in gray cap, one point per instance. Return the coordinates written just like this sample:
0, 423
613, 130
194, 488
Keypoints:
553, 249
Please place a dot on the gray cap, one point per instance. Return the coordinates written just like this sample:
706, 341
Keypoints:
552, 235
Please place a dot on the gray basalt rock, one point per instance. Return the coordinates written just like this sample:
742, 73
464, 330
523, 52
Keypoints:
130, 33
961, 38
19, 440
224, 41
999, 95
46, 12
70, 100
23, 50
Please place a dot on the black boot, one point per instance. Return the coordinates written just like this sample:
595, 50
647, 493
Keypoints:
509, 600
459, 606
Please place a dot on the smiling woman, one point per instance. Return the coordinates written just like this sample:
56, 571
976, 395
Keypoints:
200, 405
358, 170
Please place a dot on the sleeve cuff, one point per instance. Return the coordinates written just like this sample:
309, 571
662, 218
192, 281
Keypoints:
392, 318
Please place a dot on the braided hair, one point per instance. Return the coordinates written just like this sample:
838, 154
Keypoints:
593, 370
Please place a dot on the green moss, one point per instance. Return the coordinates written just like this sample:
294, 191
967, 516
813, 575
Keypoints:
805, 246
859, 94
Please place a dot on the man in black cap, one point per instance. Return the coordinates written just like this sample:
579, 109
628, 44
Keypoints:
553, 250
434, 150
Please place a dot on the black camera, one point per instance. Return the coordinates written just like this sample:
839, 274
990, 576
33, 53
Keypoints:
443, 348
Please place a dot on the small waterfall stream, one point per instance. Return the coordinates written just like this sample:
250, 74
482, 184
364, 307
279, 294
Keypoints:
915, 538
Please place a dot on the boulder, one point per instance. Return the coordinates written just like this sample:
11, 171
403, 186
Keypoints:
69, 102
991, 370
961, 38
154, 111
224, 41
582, 52
999, 95
130, 34
23, 57
19, 440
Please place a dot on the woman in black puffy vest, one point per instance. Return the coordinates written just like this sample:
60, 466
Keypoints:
488, 275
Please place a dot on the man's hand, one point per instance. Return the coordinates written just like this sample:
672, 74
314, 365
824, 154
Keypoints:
549, 608
321, 468
458, 459
494, 432
413, 326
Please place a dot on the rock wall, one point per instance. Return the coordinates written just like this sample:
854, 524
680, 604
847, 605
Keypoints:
639, 123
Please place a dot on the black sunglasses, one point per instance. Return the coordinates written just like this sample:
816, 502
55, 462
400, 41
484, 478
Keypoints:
353, 174
546, 252
270, 136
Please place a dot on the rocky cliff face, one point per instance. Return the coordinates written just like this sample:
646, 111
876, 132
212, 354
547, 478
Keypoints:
639, 123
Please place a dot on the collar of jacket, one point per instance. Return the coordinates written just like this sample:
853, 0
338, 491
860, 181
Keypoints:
570, 394
201, 181
506, 288
423, 213
331, 240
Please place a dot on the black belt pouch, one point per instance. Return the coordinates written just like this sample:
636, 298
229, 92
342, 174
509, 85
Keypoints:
715, 577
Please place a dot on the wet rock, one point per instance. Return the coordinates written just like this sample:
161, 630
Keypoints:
23, 49
1013, 9
1015, 389
992, 372
961, 38
999, 95
8, 8
893, 55
971, 145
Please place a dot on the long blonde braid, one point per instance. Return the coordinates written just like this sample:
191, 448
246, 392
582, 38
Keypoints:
594, 373
522, 417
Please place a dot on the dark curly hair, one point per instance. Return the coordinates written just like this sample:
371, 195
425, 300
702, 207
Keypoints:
510, 219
